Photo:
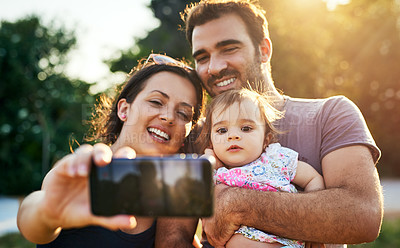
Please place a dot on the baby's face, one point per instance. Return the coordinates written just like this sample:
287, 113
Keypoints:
238, 133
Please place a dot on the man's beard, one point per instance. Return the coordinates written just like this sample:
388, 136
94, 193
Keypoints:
252, 78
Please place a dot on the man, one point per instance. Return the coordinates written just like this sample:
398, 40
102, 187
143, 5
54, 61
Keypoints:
231, 47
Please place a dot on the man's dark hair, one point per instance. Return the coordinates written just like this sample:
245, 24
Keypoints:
207, 10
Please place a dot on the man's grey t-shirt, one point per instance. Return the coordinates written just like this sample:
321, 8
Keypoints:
316, 127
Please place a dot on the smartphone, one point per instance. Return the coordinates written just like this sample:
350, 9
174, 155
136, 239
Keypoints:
178, 186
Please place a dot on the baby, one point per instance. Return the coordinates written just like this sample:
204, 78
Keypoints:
240, 133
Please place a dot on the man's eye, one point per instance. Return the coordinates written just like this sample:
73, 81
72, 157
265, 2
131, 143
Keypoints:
201, 59
230, 49
246, 129
222, 130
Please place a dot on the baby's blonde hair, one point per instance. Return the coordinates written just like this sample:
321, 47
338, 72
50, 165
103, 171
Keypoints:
268, 113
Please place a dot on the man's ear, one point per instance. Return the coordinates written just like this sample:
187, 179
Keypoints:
123, 109
266, 50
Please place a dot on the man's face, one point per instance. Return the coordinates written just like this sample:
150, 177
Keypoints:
225, 55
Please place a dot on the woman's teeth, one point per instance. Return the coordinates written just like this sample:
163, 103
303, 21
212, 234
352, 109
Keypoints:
159, 133
226, 82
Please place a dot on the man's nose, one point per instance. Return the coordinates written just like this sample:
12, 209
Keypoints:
216, 65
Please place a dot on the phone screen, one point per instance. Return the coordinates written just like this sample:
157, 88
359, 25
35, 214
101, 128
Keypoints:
153, 186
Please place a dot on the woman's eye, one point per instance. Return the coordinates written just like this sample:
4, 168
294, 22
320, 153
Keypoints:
184, 116
246, 129
156, 102
222, 130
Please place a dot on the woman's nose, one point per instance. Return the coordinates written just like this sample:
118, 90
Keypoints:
167, 116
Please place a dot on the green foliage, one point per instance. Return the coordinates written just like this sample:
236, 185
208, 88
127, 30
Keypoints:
15, 240
167, 38
299, 41
388, 238
40, 106
351, 51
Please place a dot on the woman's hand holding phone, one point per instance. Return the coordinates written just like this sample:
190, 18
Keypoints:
66, 201
63, 201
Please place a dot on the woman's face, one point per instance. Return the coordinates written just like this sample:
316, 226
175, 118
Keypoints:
160, 117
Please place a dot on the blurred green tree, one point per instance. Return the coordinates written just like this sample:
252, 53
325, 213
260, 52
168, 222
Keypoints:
40, 106
167, 38
368, 71
352, 51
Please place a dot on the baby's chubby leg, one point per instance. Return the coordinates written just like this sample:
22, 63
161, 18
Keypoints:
238, 241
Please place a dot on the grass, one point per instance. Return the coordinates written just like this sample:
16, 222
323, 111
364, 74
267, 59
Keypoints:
388, 238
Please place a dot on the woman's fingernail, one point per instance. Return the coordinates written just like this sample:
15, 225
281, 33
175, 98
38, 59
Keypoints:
132, 222
102, 157
82, 170
71, 170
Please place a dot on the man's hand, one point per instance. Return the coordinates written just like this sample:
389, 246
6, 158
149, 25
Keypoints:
220, 228
334, 215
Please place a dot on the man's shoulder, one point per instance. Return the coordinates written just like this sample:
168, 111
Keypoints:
319, 104
320, 101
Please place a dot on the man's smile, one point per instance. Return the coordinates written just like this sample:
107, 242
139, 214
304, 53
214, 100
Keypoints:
226, 82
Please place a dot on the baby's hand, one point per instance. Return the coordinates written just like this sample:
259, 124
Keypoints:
210, 152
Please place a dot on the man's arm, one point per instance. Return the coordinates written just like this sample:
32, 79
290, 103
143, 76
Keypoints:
175, 232
349, 210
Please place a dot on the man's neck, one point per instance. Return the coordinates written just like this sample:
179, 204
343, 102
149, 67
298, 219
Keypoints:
276, 98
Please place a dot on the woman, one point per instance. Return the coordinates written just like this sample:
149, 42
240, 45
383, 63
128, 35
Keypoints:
153, 114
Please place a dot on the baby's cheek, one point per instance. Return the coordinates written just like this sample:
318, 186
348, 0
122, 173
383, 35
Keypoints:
217, 140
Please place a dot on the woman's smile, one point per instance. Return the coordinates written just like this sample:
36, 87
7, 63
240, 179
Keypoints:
158, 134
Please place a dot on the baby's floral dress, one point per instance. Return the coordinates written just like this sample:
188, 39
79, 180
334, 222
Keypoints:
272, 171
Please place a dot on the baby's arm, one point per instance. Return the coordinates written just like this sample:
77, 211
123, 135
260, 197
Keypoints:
308, 178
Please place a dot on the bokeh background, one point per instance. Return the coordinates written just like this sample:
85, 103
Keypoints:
352, 49
320, 48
